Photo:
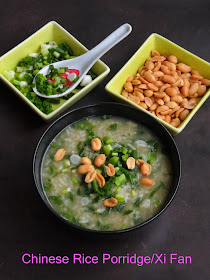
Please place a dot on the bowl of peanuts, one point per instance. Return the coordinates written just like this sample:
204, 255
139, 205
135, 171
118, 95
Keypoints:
165, 81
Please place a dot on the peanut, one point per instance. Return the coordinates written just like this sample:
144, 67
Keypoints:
148, 93
85, 168
171, 66
177, 98
148, 101
159, 94
175, 122
147, 182
125, 93
205, 82
85, 160
110, 170
173, 59
110, 202
201, 90
162, 109
149, 65
130, 162
99, 160
139, 95
193, 89
130, 79
184, 114
136, 82
183, 67
144, 167
165, 70
143, 105
152, 87
100, 180
155, 53
168, 118
149, 77
134, 99
171, 91
172, 104
168, 79
128, 87
90, 176
59, 154
95, 144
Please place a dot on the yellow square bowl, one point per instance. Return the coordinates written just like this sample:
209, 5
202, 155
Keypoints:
50, 32
164, 46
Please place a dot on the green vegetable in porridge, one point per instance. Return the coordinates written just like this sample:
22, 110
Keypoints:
103, 179
23, 75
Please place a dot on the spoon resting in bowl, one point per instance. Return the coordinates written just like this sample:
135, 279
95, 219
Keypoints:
83, 63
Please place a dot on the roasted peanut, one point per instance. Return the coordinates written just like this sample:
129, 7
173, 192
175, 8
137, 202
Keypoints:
148, 93
185, 88
177, 113
110, 202
155, 53
130, 79
166, 98
143, 105
149, 65
59, 154
133, 98
168, 79
175, 122
136, 82
128, 87
99, 160
144, 167
165, 70
183, 67
168, 118
163, 88
184, 114
85, 168
85, 160
157, 66
173, 59
159, 94
171, 66
147, 182
205, 82
160, 101
125, 93
152, 87
162, 109
91, 175
139, 95
95, 144
158, 83
193, 89
171, 91
172, 104
110, 170
154, 106
177, 98
148, 101
201, 90
100, 180
149, 77
130, 162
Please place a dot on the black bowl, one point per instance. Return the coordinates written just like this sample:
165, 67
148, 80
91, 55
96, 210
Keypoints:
114, 109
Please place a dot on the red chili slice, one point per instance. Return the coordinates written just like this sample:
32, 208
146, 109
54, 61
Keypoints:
74, 71
68, 83
64, 75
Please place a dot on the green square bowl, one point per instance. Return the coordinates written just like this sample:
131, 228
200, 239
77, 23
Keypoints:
52, 31
164, 46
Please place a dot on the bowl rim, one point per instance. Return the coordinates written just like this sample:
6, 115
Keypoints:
174, 130
48, 117
108, 232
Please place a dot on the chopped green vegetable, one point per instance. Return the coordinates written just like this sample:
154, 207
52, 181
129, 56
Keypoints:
120, 198
106, 117
74, 181
128, 212
120, 180
55, 200
112, 126
156, 189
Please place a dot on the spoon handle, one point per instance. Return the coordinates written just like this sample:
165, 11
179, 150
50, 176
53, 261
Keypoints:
113, 39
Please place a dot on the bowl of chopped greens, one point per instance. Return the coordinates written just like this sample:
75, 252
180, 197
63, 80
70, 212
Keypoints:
97, 176
51, 43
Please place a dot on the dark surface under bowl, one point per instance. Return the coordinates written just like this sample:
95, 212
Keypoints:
116, 110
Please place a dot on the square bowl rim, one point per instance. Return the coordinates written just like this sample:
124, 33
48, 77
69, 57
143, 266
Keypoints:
175, 130
48, 117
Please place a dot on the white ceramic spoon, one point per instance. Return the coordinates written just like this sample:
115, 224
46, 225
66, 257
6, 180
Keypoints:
84, 62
